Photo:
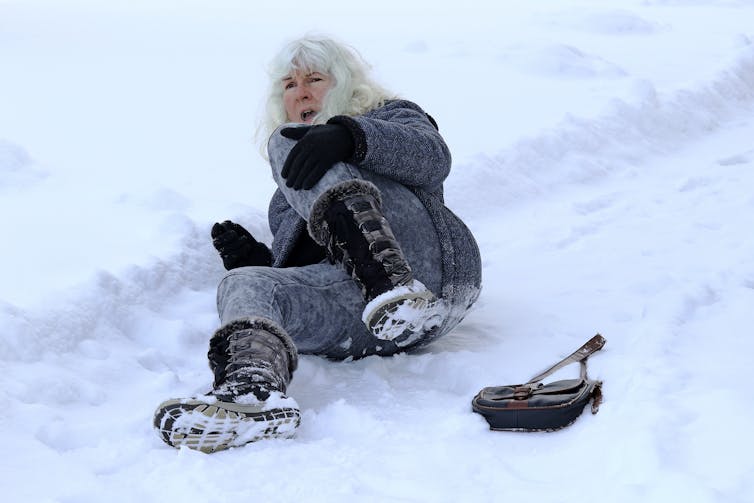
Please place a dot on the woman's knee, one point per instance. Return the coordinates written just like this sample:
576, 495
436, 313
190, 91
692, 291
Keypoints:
248, 281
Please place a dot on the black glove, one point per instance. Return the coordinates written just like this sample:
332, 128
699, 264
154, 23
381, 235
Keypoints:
237, 246
318, 149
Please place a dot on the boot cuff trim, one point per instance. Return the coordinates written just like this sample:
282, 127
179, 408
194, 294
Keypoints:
317, 226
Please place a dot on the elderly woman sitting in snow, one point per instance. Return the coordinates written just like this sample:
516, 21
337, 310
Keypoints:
366, 259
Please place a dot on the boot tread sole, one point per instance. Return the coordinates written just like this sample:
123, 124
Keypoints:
211, 427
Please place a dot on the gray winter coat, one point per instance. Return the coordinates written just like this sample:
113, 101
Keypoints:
399, 141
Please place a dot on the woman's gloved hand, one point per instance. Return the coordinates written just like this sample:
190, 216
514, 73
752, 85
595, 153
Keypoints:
237, 247
318, 149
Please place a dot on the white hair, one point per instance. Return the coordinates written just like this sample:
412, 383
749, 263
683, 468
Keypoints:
353, 91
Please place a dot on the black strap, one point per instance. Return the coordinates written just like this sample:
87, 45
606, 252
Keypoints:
580, 355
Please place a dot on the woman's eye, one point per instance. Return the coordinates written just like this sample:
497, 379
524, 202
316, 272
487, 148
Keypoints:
290, 85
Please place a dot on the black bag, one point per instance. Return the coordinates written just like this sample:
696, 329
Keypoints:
535, 406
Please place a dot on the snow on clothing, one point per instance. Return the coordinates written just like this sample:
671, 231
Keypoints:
400, 151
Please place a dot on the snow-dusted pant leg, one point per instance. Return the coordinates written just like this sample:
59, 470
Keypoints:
409, 220
318, 305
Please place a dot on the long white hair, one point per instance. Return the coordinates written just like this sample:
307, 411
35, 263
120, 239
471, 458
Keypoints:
353, 91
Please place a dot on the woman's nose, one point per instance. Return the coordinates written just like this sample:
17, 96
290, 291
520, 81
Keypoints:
303, 92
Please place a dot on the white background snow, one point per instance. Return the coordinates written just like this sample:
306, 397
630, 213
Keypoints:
603, 157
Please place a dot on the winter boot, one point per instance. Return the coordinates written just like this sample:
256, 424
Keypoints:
253, 361
348, 221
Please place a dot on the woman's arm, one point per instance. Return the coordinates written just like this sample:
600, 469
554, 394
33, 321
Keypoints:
399, 141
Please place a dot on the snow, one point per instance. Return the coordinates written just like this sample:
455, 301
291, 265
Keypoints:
603, 157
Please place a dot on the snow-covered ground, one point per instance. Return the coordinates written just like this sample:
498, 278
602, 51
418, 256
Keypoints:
604, 158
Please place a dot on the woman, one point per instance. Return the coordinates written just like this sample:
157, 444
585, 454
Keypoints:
365, 259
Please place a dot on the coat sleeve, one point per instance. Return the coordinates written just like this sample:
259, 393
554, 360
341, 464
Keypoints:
285, 225
401, 142
277, 211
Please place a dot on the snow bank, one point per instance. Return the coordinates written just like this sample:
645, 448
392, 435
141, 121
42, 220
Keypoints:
585, 150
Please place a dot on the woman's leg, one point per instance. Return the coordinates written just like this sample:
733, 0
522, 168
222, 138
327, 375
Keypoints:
319, 306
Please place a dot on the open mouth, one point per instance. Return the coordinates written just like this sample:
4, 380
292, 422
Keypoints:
307, 114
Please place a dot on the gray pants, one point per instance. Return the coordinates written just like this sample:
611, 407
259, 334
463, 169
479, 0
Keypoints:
320, 305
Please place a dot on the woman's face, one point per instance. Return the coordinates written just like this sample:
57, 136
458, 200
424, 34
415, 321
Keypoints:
303, 94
